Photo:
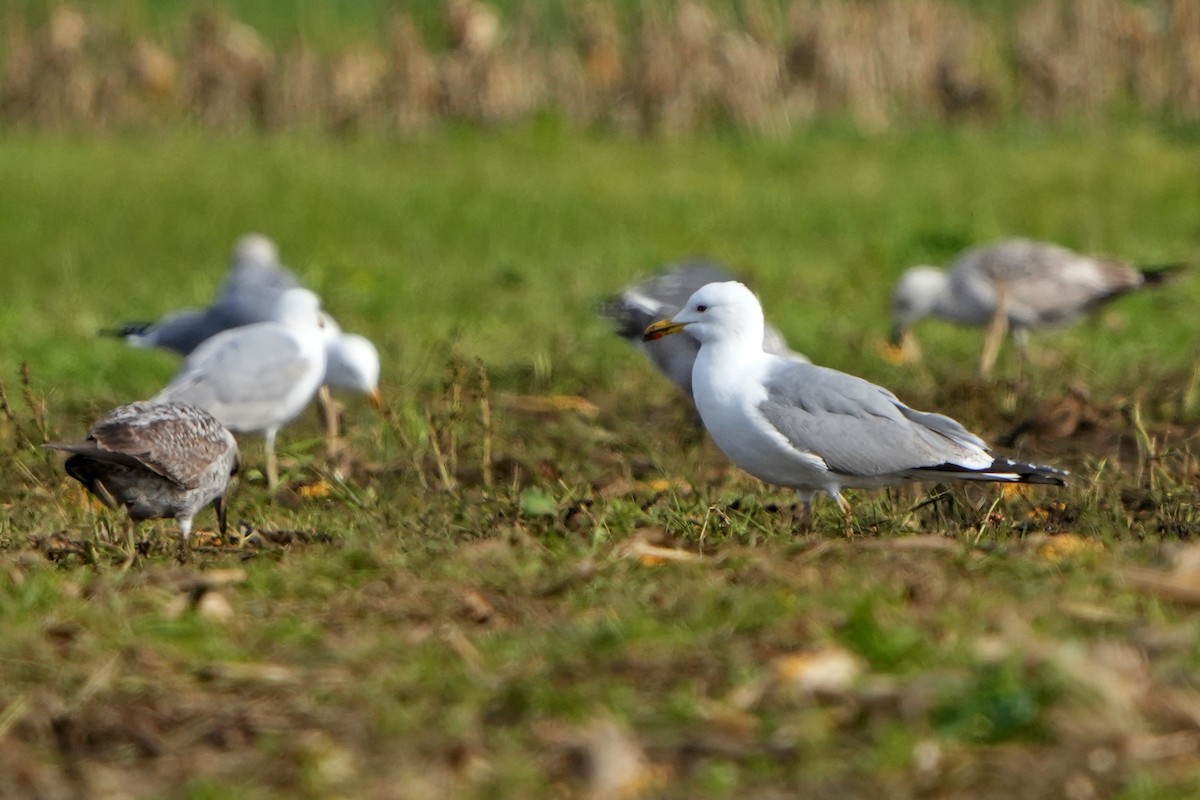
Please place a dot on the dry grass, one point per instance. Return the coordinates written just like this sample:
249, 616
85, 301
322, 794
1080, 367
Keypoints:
667, 70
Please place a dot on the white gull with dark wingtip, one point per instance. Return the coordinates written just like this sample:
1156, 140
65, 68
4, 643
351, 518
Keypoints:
157, 460
250, 295
257, 378
812, 428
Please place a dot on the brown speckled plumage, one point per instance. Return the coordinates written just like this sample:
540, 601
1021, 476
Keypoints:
157, 460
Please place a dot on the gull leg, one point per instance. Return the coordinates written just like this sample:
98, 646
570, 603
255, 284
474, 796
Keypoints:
185, 546
996, 332
844, 505
804, 524
330, 424
272, 466
1021, 340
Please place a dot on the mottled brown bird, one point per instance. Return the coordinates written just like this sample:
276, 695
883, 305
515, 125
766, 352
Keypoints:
158, 460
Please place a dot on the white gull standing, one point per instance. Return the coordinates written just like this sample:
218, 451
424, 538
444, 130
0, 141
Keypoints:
259, 377
249, 295
1014, 285
812, 428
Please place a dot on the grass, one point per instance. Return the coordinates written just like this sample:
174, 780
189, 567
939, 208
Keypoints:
426, 630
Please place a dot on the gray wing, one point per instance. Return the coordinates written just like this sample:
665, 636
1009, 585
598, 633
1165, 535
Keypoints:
240, 376
1044, 283
181, 332
859, 428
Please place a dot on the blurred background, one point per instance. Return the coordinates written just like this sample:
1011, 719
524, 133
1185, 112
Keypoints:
768, 66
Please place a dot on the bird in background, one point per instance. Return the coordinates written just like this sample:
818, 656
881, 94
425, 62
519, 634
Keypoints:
157, 461
257, 378
812, 428
247, 296
1013, 286
663, 295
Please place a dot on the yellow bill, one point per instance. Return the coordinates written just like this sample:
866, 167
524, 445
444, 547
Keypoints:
664, 327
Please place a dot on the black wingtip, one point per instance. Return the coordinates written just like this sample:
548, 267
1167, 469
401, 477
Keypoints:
126, 329
1005, 470
1158, 274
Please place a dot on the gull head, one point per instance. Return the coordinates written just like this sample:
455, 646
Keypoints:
300, 308
717, 312
254, 248
917, 295
352, 363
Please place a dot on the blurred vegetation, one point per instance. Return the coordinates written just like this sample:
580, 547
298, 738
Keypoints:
664, 69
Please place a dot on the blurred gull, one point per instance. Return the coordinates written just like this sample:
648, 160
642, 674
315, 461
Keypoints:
255, 280
158, 461
812, 428
259, 377
1014, 285
660, 297
249, 295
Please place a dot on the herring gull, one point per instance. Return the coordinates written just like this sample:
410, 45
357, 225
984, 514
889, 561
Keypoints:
249, 295
1014, 285
812, 428
158, 461
259, 377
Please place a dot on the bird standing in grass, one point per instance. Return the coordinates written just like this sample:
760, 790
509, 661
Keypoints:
1014, 285
811, 428
257, 378
157, 461
250, 295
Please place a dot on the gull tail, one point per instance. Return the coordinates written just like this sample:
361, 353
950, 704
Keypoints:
1159, 274
1004, 470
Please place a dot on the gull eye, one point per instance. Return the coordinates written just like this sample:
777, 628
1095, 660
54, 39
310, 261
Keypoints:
702, 308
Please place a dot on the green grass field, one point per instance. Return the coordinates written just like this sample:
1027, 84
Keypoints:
440, 623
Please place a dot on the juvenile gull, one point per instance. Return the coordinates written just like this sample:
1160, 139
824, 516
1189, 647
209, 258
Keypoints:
663, 295
158, 461
812, 428
1014, 285
259, 377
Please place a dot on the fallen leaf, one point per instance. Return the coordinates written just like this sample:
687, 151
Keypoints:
477, 608
549, 403
652, 555
316, 491
240, 672
830, 671
610, 760
1069, 545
